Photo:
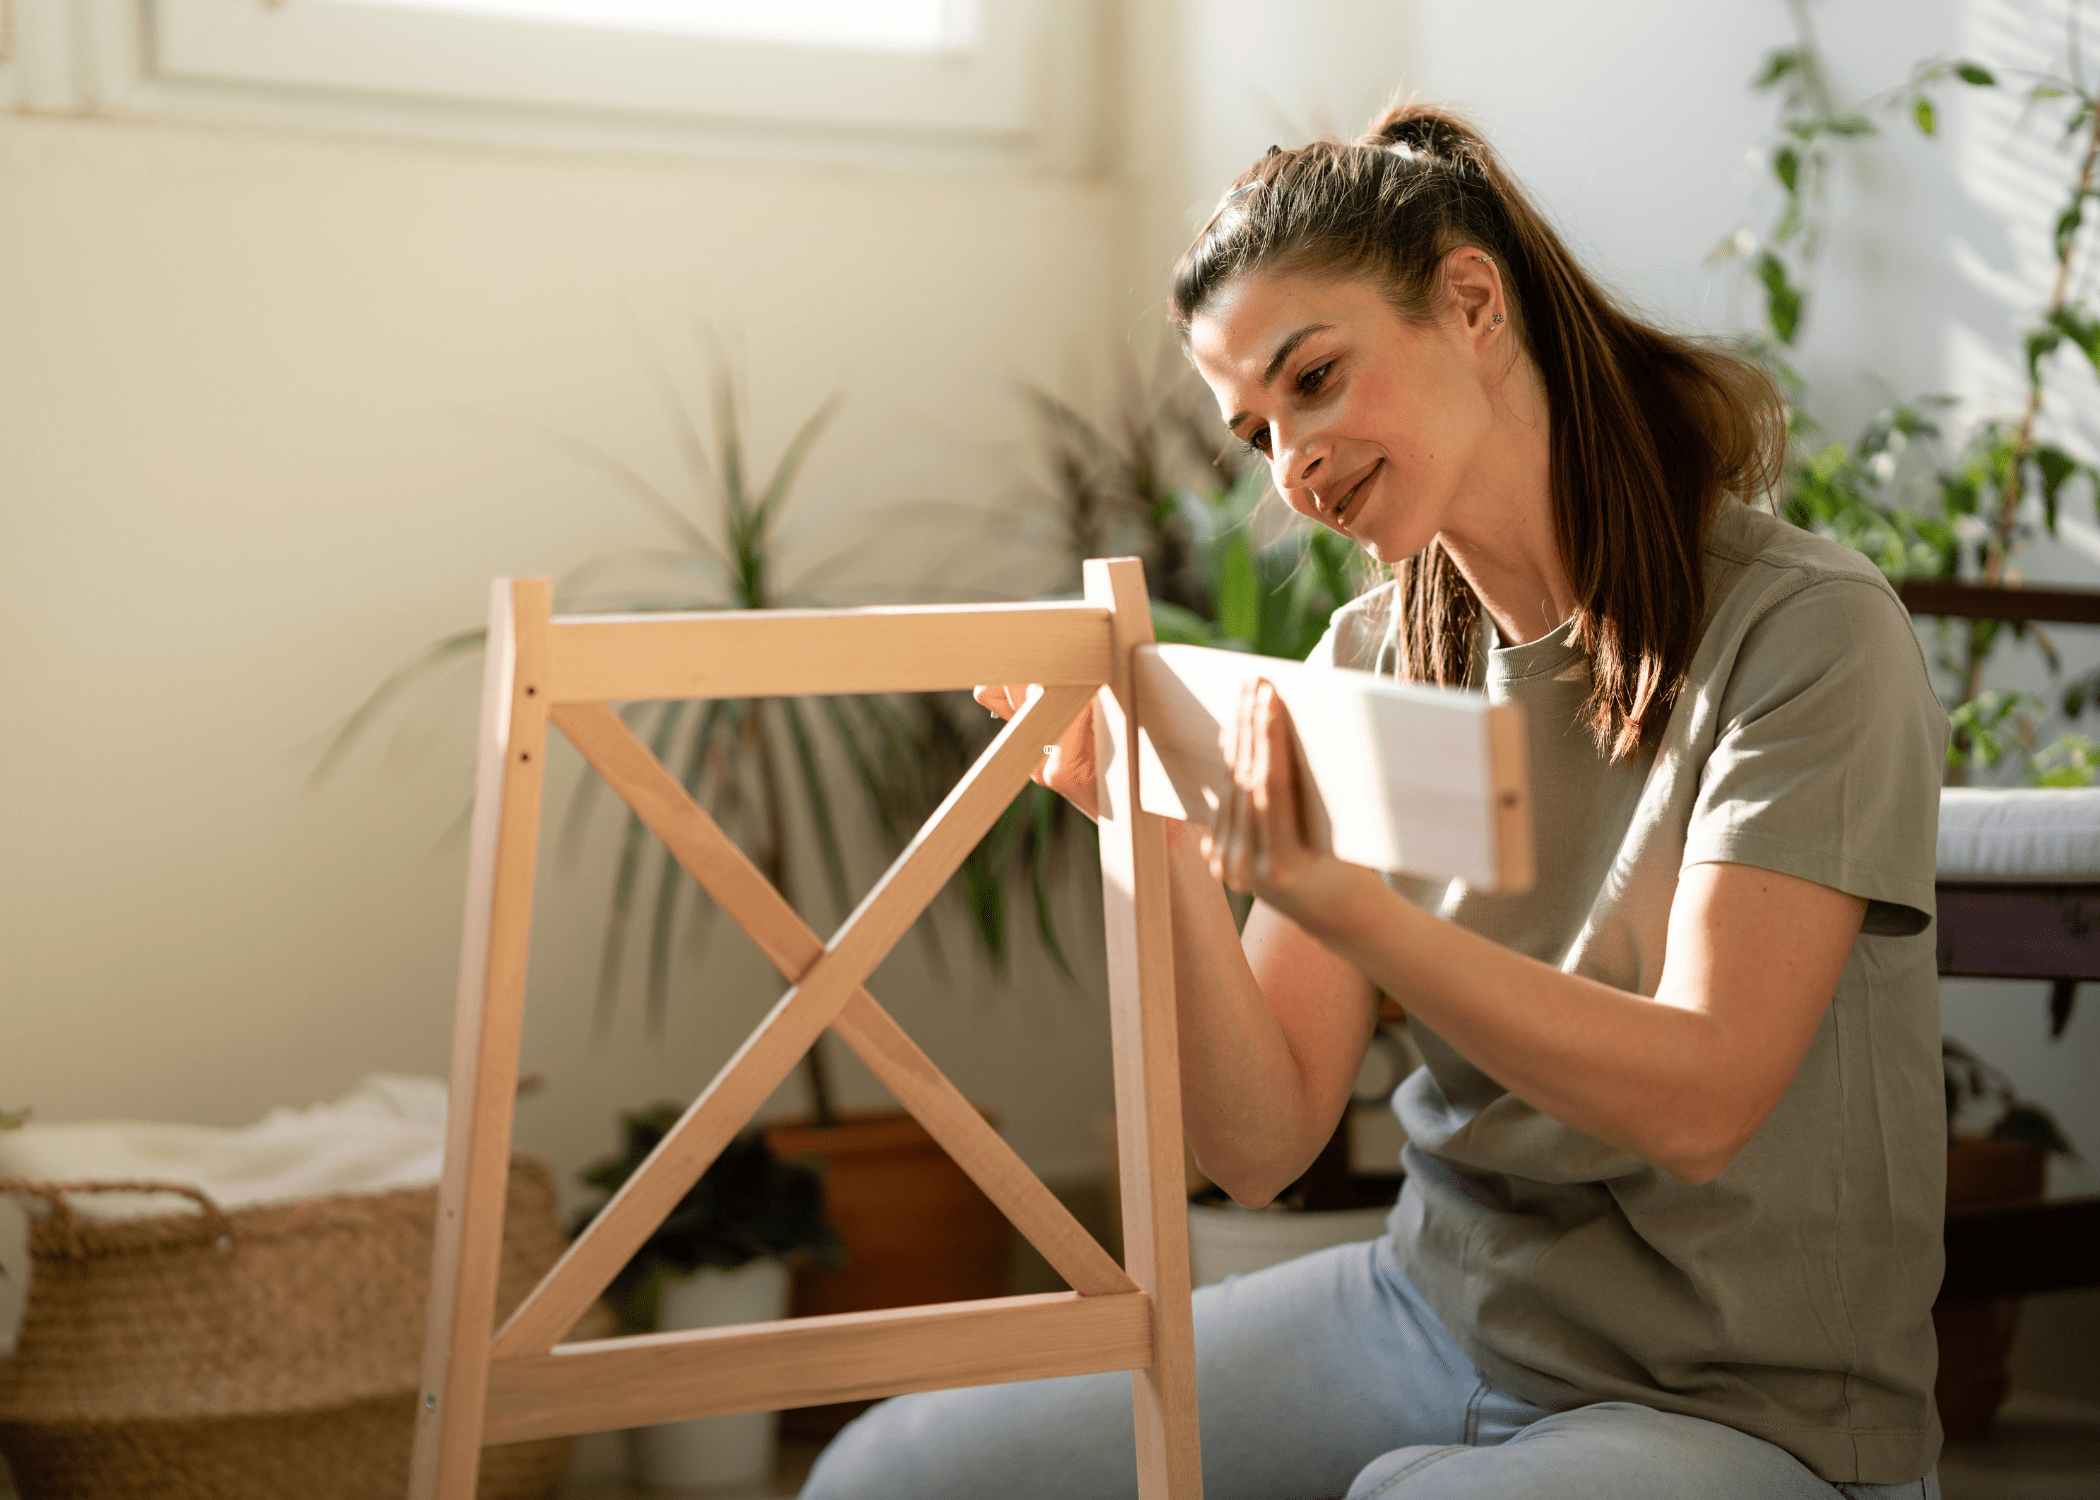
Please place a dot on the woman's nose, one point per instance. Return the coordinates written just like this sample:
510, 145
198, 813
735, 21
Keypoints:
1299, 458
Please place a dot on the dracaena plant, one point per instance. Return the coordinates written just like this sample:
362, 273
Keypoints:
1901, 493
765, 768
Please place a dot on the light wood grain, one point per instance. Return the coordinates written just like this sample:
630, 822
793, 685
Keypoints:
745, 896
771, 1052
1147, 1069
1431, 780
667, 1377
762, 653
504, 846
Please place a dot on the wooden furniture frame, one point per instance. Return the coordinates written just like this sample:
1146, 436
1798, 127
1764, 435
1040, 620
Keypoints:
2045, 931
482, 1384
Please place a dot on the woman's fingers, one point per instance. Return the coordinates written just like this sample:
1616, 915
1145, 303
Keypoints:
1067, 767
1258, 833
1005, 699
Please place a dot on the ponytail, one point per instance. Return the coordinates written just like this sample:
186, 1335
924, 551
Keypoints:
1648, 429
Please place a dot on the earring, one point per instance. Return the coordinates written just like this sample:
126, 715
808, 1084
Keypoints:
1495, 321
1486, 260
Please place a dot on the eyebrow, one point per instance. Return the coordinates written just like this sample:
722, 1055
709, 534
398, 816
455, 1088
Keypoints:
1283, 352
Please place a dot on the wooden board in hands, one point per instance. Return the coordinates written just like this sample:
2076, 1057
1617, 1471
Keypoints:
1414, 780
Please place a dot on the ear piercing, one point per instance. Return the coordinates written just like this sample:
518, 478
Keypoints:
1495, 321
1486, 260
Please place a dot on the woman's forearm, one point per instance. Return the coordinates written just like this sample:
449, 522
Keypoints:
1261, 1088
1681, 1080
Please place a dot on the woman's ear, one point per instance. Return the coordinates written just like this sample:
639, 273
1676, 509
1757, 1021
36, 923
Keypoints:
1475, 282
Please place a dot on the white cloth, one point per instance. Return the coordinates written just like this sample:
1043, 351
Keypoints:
2020, 835
387, 1132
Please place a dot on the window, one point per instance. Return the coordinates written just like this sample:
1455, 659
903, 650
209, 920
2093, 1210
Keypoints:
992, 81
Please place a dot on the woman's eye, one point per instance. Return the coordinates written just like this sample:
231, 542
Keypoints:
1259, 443
1314, 378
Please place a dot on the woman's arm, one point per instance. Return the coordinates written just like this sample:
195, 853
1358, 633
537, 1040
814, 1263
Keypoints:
1272, 1025
1682, 1080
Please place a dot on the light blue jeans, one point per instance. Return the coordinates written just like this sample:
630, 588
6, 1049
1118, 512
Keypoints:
1326, 1375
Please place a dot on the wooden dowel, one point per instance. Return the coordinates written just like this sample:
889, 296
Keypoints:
806, 1361
776, 652
771, 1052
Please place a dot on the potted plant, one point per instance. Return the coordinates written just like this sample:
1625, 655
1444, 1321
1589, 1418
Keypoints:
722, 1258
2004, 1160
775, 772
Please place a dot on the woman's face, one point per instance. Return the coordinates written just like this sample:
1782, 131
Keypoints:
1371, 425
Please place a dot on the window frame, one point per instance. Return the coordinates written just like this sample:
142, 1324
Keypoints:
1022, 92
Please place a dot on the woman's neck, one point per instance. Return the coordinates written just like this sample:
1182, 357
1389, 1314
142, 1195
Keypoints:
1507, 548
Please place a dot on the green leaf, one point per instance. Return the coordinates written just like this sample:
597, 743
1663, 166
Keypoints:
2041, 344
2032, 1126
2045, 91
1777, 66
1782, 298
1239, 590
1786, 166
1851, 125
2081, 330
1974, 73
2056, 466
1923, 113
2067, 224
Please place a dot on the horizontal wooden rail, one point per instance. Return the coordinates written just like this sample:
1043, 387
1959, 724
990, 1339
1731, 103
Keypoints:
667, 1377
1975, 601
2012, 1249
781, 652
2019, 931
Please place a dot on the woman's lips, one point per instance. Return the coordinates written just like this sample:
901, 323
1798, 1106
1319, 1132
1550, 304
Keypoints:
1342, 507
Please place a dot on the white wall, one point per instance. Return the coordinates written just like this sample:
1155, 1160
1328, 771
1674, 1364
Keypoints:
274, 408
266, 412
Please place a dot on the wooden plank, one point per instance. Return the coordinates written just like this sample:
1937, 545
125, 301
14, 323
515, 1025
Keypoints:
1435, 780
978, 1149
487, 1025
736, 885
2012, 1249
766, 653
1972, 601
2019, 931
646, 1199
1147, 1070
806, 1361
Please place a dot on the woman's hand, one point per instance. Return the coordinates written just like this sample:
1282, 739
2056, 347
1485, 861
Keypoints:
1068, 766
1260, 843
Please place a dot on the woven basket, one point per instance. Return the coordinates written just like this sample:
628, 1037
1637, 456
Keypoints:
263, 1354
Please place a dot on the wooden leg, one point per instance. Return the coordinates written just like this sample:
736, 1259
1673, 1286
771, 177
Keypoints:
1148, 1080
450, 1406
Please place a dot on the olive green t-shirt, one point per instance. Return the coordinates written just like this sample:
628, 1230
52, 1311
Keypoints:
1791, 1296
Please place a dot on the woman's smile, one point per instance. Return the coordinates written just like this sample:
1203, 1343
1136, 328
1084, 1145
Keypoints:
1340, 510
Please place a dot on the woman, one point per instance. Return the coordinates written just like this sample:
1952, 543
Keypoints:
1672, 1216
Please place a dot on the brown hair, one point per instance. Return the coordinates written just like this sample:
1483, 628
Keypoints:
1648, 429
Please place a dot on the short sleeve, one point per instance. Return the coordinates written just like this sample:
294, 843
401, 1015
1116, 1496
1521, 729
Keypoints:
1828, 754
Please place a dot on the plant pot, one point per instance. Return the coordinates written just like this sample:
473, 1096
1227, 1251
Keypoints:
715, 1452
1976, 1335
915, 1227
